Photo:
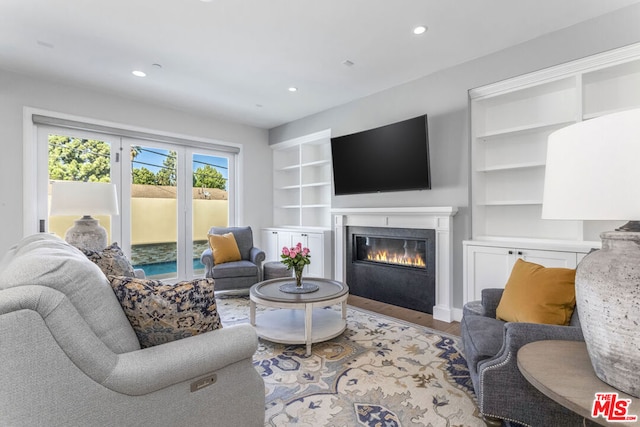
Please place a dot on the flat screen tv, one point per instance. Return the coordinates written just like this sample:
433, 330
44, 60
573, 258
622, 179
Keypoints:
389, 158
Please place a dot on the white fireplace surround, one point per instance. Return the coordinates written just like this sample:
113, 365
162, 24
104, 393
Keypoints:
435, 218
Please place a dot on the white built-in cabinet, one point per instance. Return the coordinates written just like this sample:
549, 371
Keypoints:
510, 123
489, 264
302, 201
318, 242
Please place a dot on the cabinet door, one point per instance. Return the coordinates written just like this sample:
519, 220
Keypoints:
315, 243
549, 258
490, 267
486, 267
284, 238
270, 245
275, 240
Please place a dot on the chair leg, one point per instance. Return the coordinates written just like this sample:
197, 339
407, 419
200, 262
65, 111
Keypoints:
492, 421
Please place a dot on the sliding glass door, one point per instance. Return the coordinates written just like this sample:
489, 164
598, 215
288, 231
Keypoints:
209, 199
169, 194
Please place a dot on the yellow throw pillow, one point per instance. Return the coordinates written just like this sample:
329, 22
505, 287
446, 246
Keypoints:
224, 248
536, 294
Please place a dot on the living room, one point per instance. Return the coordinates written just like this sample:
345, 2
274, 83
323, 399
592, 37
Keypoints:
443, 95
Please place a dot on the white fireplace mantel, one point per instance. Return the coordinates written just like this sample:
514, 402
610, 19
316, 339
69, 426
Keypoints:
436, 218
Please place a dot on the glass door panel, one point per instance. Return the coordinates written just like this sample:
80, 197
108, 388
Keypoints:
210, 201
78, 157
154, 207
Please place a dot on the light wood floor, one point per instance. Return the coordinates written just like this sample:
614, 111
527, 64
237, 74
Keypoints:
405, 314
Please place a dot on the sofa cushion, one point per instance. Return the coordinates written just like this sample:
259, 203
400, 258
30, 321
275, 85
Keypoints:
46, 260
160, 313
224, 248
536, 294
111, 260
235, 269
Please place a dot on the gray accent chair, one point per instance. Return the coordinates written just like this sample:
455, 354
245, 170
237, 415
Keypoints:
69, 356
491, 348
237, 276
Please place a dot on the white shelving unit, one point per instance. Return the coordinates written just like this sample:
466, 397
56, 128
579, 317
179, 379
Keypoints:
510, 123
302, 181
302, 201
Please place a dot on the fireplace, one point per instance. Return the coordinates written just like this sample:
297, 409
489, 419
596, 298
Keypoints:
392, 265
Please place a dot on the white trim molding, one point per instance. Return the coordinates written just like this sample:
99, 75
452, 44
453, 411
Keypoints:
439, 219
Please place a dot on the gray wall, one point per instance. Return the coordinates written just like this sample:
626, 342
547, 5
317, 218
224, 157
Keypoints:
18, 91
443, 97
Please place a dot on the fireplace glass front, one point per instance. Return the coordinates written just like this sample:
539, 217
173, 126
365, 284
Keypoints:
392, 265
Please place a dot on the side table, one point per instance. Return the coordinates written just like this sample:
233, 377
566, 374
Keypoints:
562, 371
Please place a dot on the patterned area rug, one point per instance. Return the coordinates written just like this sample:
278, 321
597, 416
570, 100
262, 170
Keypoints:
381, 372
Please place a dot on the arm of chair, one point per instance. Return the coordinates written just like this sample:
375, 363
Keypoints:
517, 334
150, 369
207, 260
134, 373
490, 300
503, 388
258, 256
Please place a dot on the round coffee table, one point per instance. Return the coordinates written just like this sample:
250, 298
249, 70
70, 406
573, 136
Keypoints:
301, 319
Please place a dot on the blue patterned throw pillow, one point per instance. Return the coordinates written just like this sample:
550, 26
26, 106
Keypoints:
111, 260
160, 313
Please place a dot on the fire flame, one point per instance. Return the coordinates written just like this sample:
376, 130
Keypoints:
398, 259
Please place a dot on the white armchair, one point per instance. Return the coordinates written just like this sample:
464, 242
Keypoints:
71, 358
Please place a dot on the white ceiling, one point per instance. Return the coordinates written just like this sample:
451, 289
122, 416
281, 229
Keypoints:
235, 59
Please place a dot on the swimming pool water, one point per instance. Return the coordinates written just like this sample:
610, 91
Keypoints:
166, 268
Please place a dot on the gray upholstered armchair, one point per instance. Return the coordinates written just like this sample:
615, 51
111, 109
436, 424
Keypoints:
491, 348
70, 357
237, 275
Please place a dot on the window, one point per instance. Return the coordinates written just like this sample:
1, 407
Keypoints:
169, 192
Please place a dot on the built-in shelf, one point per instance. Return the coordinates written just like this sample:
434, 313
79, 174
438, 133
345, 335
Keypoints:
302, 181
534, 127
510, 124
511, 203
512, 166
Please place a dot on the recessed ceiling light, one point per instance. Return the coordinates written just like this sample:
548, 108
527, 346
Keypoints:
293, 89
419, 30
139, 73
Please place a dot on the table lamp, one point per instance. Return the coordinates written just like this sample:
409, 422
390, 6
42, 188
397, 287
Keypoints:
86, 199
593, 173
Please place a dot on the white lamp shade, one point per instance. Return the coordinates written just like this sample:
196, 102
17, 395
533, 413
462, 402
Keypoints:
593, 170
83, 198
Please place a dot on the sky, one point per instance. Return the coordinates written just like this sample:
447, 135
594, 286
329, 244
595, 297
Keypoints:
152, 158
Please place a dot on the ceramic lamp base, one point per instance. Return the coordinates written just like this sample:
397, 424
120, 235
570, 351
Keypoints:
87, 233
608, 301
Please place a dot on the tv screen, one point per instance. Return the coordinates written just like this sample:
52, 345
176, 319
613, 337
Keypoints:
389, 158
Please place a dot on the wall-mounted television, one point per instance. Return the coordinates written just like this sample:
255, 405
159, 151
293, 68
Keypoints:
394, 157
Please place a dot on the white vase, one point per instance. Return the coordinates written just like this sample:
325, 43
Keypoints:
608, 301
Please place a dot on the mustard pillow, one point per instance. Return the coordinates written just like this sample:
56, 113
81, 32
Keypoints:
536, 294
224, 248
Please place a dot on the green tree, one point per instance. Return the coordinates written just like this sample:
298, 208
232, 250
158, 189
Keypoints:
167, 175
144, 176
209, 177
75, 159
